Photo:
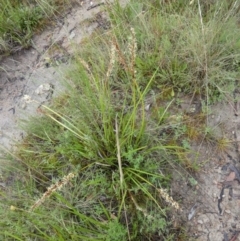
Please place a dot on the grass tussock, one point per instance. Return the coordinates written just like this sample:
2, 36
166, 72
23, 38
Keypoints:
96, 164
193, 48
19, 20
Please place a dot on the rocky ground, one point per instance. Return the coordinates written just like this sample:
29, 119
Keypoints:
210, 198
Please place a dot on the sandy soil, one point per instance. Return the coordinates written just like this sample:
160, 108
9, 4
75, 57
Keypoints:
211, 205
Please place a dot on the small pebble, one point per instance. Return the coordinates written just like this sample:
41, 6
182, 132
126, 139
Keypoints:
200, 221
147, 107
72, 35
227, 211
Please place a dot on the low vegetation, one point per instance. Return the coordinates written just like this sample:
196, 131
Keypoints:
97, 164
19, 20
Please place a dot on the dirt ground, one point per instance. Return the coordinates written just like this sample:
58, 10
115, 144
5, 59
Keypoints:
210, 199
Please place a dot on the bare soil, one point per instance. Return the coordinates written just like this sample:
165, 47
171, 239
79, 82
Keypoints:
210, 198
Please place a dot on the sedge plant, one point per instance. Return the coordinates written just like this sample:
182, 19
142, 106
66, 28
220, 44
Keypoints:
99, 136
94, 164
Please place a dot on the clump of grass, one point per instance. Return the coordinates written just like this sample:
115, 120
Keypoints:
223, 144
19, 20
101, 130
195, 48
100, 134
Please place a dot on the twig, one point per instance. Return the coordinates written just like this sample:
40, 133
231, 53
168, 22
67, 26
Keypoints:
205, 51
121, 174
144, 211
119, 154
94, 6
235, 236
